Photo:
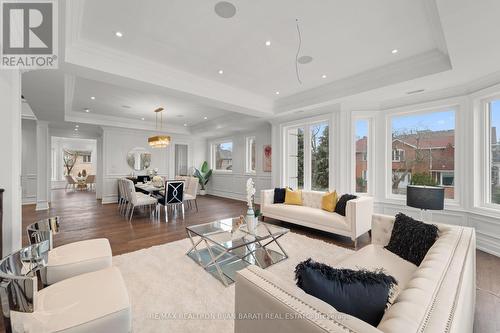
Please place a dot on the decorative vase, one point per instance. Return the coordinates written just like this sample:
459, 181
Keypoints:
251, 220
203, 192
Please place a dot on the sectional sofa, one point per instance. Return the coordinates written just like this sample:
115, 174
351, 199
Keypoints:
437, 296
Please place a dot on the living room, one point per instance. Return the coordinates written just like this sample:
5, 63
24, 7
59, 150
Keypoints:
235, 166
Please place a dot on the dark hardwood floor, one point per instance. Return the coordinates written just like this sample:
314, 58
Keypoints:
84, 217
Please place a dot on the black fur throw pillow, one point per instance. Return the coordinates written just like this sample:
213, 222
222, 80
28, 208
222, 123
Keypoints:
279, 195
411, 239
361, 293
342, 203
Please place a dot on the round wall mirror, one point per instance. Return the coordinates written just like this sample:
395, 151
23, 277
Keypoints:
139, 159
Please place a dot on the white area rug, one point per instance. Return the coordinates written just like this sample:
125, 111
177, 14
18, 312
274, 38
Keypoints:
169, 291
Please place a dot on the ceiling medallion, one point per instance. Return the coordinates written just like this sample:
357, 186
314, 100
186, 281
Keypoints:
225, 9
159, 141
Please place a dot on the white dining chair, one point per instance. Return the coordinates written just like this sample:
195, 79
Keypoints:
138, 200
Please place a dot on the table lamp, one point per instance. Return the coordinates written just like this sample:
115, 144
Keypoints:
425, 197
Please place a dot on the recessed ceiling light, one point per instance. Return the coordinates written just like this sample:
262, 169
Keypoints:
277, 93
77, 126
142, 118
185, 125
394, 51
92, 97
76, 129
225, 9
86, 110
118, 34
268, 43
323, 76
205, 118
221, 71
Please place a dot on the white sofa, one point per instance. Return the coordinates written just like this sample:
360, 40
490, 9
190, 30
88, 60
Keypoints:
356, 222
437, 296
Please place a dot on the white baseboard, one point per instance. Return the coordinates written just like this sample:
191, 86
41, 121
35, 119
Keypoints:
109, 199
42, 205
488, 244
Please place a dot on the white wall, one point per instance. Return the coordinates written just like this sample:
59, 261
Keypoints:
466, 210
28, 164
10, 168
118, 142
233, 184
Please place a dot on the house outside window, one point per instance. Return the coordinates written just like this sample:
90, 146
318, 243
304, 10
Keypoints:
423, 151
222, 156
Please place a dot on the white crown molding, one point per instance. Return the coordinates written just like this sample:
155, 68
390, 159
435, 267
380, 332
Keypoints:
98, 57
428, 63
432, 14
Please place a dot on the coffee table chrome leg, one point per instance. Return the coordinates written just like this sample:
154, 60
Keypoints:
216, 264
193, 248
252, 253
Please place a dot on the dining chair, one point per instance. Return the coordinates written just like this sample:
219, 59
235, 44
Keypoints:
138, 200
191, 192
71, 182
172, 198
66, 306
90, 181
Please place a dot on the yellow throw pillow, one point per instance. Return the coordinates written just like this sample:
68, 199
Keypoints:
329, 201
293, 197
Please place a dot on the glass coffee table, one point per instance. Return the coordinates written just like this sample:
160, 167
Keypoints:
224, 247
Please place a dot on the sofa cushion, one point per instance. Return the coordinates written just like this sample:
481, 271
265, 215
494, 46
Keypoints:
279, 195
373, 257
329, 201
411, 239
308, 214
342, 203
360, 293
293, 197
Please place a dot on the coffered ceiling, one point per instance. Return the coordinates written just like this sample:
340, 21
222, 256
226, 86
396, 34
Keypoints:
181, 55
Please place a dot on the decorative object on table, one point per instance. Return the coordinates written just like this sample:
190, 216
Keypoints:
84, 173
250, 218
157, 181
293, 197
159, 141
425, 198
267, 163
411, 239
359, 293
138, 159
342, 203
79, 174
203, 174
329, 201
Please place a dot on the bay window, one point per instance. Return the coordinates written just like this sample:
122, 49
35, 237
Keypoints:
423, 151
250, 154
361, 137
494, 151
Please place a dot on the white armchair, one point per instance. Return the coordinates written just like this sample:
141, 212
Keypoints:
71, 259
70, 306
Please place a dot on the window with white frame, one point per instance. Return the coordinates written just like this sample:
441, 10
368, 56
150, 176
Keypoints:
222, 156
250, 154
423, 151
494, 151
307, 156
398, 155
361, 134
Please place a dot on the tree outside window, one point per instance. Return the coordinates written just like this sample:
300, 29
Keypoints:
423, 151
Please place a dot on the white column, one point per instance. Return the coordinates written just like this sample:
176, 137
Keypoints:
10, 168
43, 165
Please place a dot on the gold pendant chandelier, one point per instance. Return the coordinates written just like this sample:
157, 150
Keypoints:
159, 141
